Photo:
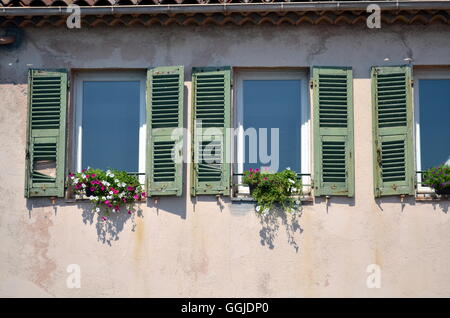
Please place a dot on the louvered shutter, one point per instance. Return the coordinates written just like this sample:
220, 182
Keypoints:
211, 118
45, 156
393, 145
165, 87
333, 131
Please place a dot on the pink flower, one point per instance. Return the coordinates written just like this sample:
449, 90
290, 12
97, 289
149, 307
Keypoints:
117, 208
136, 196
143, 194
251, 170
71, 175
130, 188
257, 170
265, 178
104, 218
92, 189
129, 212
110, 205
78, 186
124, 200
93, 175
83, 170
103, 188
87, 176
107, 202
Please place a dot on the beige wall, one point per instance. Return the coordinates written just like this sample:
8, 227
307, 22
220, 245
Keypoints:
184, 247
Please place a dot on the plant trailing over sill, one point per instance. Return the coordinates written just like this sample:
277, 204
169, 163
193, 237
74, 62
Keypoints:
438, 178
271, 189
109, 191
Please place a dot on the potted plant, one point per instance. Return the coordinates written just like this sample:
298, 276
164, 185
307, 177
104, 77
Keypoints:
108, 190
270, 189
438, 178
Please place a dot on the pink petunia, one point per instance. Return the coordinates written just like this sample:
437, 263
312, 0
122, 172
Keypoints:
265, 178
106, 202
130, 188
104, 218
257, 170
92, 189
129, 212
103, 188
71, 175
136, 196
251, 170
144, 194
93, 175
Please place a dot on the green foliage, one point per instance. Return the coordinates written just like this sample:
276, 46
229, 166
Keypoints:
437, 177
108, 190
269, 189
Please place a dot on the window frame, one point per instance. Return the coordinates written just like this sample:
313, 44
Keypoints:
305, 141
436, 74
109, 76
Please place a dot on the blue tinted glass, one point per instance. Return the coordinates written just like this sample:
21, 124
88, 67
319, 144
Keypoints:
111, 125
434, 98
274, 104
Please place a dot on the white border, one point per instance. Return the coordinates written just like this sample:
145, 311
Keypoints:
418, 75
109, 76
305, 142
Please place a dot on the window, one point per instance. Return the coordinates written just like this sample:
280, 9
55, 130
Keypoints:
432, 119
272, 117
110, 121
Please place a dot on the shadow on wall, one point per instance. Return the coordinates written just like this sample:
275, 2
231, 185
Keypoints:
271, 224
108, 226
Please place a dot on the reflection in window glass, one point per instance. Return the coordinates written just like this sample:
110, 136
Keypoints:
110, 125
274, 104
434, 99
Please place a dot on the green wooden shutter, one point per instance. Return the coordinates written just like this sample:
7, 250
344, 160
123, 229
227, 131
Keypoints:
392, 130
211, 113
165, 87
46, 145
333, 131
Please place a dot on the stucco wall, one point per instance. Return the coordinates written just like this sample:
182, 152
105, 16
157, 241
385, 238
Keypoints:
184, 247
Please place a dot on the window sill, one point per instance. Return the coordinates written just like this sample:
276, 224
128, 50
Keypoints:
86, 199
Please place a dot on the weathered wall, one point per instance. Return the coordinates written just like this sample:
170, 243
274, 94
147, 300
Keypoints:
183, 247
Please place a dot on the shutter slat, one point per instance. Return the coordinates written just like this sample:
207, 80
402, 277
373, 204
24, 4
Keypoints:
47, 100
392, 113
211, 109
165, 98
333, 131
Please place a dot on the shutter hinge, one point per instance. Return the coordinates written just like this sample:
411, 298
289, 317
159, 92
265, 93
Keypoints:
311, 83
412, 83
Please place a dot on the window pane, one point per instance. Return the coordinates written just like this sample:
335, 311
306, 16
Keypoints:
111, 125
434, 98
274, 104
